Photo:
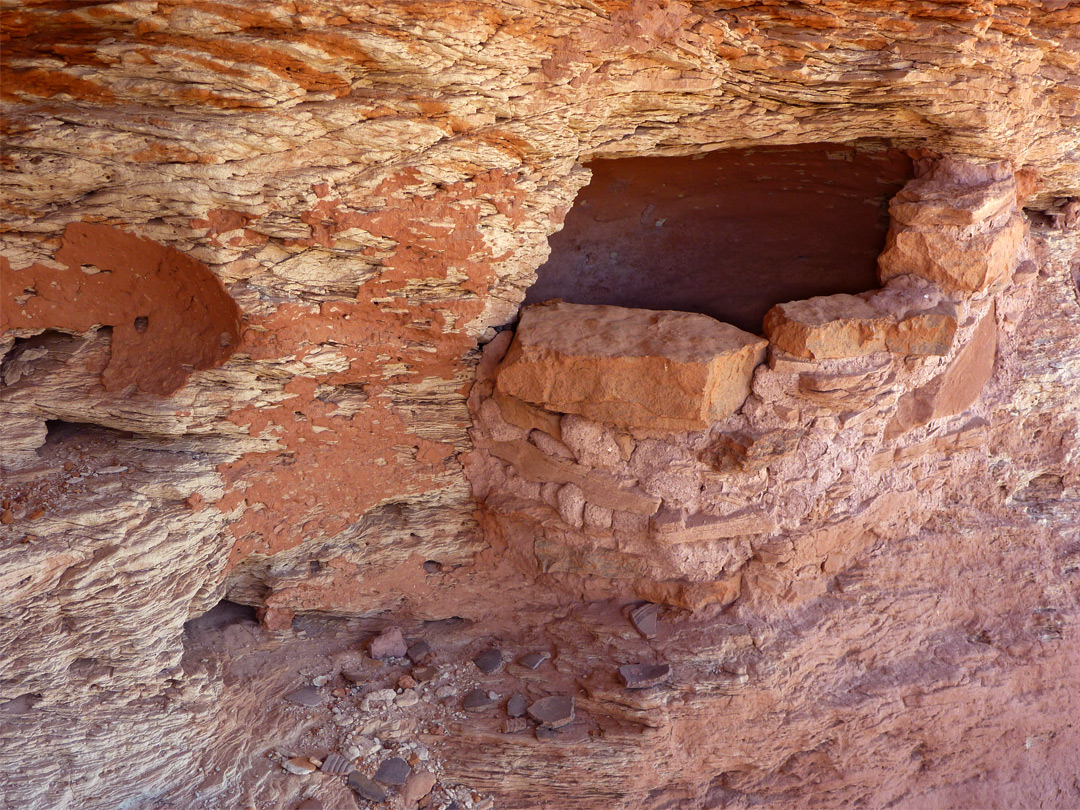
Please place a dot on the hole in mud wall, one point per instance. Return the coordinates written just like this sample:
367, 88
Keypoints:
729, 233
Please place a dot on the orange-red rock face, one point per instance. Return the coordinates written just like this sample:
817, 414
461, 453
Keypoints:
371, 187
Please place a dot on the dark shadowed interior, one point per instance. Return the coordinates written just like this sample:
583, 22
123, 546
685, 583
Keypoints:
729, 233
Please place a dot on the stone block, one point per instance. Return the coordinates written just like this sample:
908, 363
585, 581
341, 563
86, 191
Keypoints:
676, 526
955, 389
957, 225
836, 326
634, 368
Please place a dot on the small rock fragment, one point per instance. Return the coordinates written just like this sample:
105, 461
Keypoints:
353, 675
545, 733
644, 619
301, 766
432, 567
425, 674
366, 746
517, 706
393, 771
406, 682
7, 517
476, 700
365, 788
305, 696
489, 660
514, 724
533, 660
553, 712
642, 676
335, 764
389, 644
420, 652
275, 618
406, 699
417, 786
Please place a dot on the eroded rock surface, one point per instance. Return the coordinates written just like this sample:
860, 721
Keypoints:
374, 185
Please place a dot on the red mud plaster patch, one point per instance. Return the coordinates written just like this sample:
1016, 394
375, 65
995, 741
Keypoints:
330, 471
169, 313
334, 468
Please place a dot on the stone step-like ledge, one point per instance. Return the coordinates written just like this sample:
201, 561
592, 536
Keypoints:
634, 368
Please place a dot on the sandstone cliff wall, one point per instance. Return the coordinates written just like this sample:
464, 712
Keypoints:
370, 189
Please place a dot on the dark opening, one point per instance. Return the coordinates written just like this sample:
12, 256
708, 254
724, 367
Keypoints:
729, 233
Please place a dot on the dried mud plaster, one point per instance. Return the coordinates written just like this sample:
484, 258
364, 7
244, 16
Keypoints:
169, 314
389, 336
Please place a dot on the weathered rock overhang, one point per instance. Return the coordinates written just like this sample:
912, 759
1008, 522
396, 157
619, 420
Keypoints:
673, 453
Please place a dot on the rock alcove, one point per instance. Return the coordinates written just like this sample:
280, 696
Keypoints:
728, 233
668, 450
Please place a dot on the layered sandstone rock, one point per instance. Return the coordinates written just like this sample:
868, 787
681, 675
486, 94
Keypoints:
635, 368
373, 186
957, 225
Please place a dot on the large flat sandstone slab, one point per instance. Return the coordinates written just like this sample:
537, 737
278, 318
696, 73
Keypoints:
636, 368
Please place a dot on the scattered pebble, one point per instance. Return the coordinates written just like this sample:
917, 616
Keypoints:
320, 680
553, 712
489, 660
425, 674
642, 676
336, 764
406, 681
533, 660
476, 700
301, 766
378, 696
365, 745
514, 724
417, 786
354, 675
305, 696
644, 619
432, 567
365, 788
420, 652
407, 698
517, 706
7, 517
388, 644
545, 733
393, 771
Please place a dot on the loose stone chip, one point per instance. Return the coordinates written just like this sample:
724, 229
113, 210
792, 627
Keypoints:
477, 700
642, 676
393, 771
514, 724
489, 661
301, 766
534, 659
644, 619
553, 712
335, 763
365, 788
425, 674
306, 696
517, 706
420, 652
